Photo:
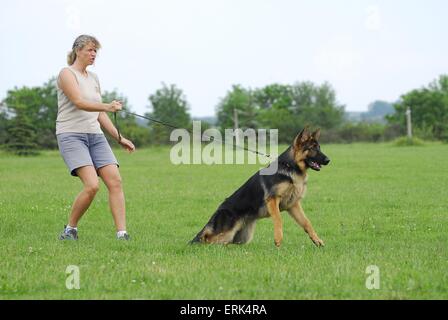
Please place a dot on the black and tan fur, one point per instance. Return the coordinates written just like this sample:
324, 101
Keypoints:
264, 196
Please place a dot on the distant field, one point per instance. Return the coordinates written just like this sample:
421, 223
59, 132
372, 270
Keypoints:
373, 205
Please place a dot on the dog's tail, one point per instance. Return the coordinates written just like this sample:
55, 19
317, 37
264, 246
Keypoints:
221, 221
199, 238
196, 239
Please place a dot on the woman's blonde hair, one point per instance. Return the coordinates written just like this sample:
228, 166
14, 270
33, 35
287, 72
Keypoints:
79, 43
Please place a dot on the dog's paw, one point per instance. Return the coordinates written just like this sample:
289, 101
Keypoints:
278, 237
318, 242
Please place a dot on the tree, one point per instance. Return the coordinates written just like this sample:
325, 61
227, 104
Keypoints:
291, 107
282, 120
21, 134
275, 104
46, 117
168, 105
317, 105
429, 106
287, 108
274, 96
242, 102
38, 107
380, 108
377, 112
3, 123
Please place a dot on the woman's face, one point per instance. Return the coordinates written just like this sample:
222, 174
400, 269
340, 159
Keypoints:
87, 54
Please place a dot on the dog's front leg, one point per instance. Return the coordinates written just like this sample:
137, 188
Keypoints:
273, 209
296, 211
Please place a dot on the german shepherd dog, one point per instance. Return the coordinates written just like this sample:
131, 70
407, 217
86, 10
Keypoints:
264, 196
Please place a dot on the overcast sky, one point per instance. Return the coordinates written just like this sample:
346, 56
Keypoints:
367, 50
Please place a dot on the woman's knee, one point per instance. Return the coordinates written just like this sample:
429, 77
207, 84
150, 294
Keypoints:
90, 180
111, 177
92, 187
114, 183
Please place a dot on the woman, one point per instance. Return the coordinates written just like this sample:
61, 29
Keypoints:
82, 144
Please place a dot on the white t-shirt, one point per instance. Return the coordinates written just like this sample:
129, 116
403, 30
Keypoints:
72, 119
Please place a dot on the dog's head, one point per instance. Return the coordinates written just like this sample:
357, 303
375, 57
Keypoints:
307, 153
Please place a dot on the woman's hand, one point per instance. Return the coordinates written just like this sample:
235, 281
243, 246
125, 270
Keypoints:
114, 106
127, 144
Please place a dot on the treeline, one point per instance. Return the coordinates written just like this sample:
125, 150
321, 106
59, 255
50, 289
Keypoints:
287, 108
429, 107
28, 115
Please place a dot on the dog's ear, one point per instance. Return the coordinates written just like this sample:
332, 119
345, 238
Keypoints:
303, 136
316, 134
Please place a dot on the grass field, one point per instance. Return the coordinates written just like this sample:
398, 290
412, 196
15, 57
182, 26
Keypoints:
373, 205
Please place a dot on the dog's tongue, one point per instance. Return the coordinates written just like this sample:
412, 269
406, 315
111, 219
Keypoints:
316, 165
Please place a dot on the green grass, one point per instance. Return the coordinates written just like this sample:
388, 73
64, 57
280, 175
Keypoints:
373, 205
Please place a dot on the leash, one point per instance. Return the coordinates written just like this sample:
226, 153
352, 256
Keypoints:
174, 127
116, 126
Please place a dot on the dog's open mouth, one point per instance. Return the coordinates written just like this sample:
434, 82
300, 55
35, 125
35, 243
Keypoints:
313, 165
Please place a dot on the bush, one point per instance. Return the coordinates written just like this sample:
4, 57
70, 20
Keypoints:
405, 142
354, 132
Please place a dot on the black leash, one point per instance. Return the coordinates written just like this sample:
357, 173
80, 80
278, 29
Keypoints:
174, 127
116, 126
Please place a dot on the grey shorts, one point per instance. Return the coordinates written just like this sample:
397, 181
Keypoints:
85, 149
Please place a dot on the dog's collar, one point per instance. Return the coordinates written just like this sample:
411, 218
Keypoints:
290, 166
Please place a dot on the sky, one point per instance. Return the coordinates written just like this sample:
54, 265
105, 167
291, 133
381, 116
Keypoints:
367, 50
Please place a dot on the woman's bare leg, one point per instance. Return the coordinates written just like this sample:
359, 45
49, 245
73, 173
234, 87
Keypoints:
112, 179
82, 202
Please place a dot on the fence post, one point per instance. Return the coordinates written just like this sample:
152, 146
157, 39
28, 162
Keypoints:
409, 123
